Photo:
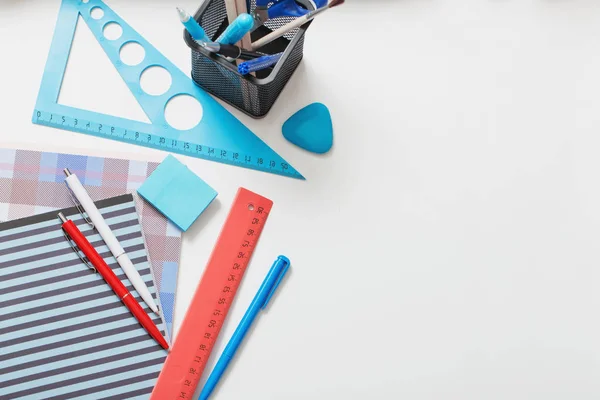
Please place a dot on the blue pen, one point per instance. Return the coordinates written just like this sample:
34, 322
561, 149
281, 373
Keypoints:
268, 287
259, 63
192, 26
237, 29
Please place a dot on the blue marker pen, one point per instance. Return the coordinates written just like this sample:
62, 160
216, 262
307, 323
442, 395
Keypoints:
257, 64
237, 29
192, 26
268, 287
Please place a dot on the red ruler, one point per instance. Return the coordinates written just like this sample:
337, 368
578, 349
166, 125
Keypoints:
207, 311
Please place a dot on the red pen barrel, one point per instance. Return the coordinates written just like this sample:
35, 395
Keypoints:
145, 320
97, 261
116, 285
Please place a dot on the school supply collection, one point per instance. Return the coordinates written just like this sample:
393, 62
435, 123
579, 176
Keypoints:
219, 136
63, 332
97, 264
109, 237
253, 93
33, 182
260, 302
88, 268
215, 293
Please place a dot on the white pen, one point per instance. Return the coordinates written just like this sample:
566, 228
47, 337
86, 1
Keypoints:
109, 238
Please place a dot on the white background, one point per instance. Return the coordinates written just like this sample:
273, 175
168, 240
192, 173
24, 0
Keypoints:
448, 247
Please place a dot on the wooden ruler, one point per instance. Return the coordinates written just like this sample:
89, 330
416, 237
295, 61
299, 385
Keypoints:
215, 293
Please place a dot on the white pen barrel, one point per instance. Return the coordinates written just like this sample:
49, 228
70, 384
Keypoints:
90, 208
136, 280
111, 240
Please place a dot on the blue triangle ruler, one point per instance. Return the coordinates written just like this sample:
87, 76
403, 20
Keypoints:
218, 137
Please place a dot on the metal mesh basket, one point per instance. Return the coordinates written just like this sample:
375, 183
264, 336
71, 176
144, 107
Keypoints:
253, 95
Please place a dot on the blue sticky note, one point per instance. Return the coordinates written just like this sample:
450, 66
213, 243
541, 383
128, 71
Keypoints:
177, 192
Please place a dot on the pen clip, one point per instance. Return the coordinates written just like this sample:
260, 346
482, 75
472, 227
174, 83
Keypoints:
79, 207
82, 258
279, 279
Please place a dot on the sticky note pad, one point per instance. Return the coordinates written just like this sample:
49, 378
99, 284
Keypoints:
177, 192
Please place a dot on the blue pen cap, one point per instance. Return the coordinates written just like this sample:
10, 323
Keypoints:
259, 63
237, 29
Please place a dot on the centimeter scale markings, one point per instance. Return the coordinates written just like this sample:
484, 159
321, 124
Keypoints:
218, 137
158, 142
237, 267
207, 312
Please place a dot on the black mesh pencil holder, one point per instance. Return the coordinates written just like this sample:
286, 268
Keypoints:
253, 95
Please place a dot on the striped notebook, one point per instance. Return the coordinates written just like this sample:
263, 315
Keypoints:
33, 182
64, 334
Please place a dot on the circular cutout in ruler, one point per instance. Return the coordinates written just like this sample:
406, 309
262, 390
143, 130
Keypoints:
219, 136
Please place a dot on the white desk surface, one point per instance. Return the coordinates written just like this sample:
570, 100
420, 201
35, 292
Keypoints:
448, 247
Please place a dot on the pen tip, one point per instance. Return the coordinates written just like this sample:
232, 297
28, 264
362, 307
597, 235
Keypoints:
164, 344
182, 14
67, 172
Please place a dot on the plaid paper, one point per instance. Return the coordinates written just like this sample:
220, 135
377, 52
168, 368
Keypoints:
32, 183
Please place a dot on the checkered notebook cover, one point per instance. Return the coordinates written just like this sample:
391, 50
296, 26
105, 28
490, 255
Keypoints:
32, 182
64, 334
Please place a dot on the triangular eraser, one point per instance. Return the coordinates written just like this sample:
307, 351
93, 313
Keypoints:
310, 128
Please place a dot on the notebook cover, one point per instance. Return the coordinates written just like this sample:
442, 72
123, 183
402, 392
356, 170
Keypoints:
32, 182
64, 334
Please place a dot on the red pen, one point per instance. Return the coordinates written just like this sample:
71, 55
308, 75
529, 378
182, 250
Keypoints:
98, 264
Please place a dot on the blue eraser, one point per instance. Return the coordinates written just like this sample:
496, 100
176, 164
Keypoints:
177, 192
310, 128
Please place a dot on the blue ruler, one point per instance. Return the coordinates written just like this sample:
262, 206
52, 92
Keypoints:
218, 137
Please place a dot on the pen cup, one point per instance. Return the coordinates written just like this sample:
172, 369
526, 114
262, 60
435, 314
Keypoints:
253, 95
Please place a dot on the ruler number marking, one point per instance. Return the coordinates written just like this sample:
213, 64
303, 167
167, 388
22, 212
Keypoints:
201, 151
237, 268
